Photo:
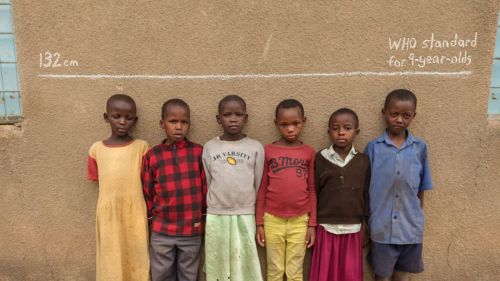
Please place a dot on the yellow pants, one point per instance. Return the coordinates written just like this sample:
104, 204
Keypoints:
285, 246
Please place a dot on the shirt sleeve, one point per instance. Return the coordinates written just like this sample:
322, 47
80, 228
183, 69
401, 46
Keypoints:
311, 189
369, 152
261, 195
366, 192
92, 171
203, 185
259, 166
148, 188
425, 177
206, 166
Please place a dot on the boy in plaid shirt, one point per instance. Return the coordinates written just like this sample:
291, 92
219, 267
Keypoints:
175, 189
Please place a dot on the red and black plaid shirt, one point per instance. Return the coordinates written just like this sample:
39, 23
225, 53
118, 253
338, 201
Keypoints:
175, 188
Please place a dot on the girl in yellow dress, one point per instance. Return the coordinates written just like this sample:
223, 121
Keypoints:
121, 222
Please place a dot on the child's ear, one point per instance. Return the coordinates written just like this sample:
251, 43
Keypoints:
383, 111
105, 116
414, 114
161, 123
357, 131
304, 120
136, 119
217, 117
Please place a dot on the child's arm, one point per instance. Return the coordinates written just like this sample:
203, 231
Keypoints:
365, 230
203, 186
421, 197
311, 232
260, 206
148, 188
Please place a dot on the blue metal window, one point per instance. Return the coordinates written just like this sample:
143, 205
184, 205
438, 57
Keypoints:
494, 101
10, 98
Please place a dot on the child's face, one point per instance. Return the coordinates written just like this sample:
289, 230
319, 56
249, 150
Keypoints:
343, 130
175, 123
398, 116
232, 117
121, 116
289, 123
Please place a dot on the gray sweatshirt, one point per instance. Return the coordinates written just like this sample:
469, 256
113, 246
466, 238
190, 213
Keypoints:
233, 170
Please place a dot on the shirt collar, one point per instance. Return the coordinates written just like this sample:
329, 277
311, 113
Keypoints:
409, 139
180, 144
332, 153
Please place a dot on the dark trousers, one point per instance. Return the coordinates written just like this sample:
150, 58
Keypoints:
174, 258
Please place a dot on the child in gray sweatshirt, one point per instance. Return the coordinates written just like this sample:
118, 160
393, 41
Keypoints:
233, 165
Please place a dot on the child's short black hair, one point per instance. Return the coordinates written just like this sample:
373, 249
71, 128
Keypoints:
229, 98
402, 95
289, 103
344, 111
173, 102
120, 97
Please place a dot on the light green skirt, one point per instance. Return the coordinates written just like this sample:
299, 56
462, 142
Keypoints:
230, 249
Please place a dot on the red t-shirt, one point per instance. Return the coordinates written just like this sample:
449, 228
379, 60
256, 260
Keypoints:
287, 187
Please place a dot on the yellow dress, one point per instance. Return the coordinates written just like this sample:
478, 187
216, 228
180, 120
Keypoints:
121, 222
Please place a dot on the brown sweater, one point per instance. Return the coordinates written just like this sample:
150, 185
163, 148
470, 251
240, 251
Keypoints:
342, 192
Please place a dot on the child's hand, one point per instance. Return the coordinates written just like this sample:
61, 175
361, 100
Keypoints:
260, 236
310, 236
365, 234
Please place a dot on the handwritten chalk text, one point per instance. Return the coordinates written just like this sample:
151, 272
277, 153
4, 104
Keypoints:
53, 60
410, 52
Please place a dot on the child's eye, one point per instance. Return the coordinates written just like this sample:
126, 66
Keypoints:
394, 114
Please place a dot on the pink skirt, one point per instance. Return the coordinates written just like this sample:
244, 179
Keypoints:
337, 257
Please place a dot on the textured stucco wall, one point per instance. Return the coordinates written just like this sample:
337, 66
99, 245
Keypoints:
47, 207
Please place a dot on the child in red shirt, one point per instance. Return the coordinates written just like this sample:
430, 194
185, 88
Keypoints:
286, 201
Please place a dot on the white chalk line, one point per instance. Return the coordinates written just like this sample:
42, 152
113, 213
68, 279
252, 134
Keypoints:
257, 75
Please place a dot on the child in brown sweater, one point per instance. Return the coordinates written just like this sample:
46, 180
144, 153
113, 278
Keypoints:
342, 176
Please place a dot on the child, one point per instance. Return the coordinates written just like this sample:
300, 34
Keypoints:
400, 174
286, 203
174, 186
342, 176
233, 164
121, 224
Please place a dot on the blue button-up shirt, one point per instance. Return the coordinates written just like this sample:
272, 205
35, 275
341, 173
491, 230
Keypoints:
397, 177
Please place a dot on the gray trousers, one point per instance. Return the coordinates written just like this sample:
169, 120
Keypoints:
174, 258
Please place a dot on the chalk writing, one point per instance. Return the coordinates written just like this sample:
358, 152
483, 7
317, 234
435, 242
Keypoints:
53, 60
414, 53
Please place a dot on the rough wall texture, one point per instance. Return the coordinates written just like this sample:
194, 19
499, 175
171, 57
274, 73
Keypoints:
47, 207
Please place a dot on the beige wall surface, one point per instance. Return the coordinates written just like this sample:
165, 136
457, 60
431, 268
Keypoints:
328, 54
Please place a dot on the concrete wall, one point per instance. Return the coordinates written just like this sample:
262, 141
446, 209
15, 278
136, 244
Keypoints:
47, 208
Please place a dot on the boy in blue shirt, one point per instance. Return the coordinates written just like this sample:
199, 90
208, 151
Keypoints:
400, 174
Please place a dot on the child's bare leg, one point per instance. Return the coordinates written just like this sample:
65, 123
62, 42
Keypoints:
400, 276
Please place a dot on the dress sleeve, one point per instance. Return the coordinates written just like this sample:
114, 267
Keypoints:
92, 171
